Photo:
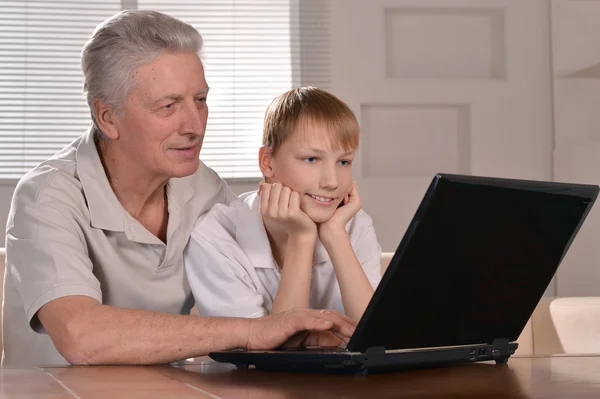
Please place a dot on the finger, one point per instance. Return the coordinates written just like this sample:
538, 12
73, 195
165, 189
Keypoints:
262, 183
324, 339
274, 198
328, 339
323, 320
264, 195
342, 324
341, 337
353, 193
342, 329
312, 338
284, 198
294, 200
295, 341
333, 314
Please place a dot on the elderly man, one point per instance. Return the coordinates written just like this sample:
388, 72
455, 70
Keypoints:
95, 234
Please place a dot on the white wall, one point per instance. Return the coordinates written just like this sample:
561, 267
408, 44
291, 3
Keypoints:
450, 86
576, 157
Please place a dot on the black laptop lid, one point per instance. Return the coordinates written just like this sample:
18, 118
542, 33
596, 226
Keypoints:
474, 262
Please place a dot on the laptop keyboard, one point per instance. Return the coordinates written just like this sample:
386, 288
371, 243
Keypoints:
319, 349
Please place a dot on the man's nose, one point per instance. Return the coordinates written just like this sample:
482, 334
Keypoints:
193, 120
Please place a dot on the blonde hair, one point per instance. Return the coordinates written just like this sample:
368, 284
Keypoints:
303, 106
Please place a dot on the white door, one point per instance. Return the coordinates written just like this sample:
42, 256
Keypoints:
456, 86
576, 73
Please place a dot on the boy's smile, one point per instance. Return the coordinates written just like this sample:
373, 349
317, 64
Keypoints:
322, 200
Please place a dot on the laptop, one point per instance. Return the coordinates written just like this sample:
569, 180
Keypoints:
468, 273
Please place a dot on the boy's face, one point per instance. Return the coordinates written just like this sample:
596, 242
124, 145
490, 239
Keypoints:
308, 164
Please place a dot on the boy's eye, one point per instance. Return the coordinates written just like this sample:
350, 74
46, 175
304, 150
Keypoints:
310, 159
345, 162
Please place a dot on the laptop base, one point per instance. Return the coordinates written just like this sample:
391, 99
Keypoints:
343, 362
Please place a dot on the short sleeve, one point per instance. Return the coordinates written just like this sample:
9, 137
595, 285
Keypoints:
220, 285
366, 247
46, 252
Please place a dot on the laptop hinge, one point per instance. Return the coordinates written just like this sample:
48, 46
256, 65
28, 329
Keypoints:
500, 342
375, 350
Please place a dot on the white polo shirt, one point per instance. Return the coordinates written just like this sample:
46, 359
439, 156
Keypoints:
67, 234
231, 270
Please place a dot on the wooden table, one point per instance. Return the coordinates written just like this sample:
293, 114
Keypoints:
541, 377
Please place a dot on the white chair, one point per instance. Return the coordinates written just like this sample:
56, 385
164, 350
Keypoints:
386, 257
567, 325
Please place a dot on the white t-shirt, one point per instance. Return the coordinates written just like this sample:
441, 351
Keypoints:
231, 270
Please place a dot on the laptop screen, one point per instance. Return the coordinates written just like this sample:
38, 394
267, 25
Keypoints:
474, 262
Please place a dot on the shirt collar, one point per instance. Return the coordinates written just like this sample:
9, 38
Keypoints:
106, 212
252, 237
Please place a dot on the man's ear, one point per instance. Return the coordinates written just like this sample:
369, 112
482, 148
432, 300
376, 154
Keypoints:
105, 118
265, 161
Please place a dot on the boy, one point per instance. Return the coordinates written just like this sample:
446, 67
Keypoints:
302, 239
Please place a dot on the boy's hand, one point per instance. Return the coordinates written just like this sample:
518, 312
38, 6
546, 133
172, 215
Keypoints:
282, 205
341, 217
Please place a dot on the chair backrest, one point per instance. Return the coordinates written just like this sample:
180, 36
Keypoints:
386, 257
567, 325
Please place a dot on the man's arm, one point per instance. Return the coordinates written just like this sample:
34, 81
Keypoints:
86, 332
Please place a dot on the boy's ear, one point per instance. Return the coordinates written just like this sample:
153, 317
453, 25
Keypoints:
105, 118
265, 159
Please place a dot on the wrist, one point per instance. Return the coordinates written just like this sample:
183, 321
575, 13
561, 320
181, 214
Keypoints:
245, 332
303, 237
330, 234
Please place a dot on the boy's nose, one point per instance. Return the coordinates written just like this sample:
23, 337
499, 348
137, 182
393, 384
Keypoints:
329, 179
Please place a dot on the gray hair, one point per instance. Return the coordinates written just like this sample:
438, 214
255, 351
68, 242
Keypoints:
125, 42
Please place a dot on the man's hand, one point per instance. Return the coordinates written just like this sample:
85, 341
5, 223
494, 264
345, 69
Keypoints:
337, 223
300, 327
321, 339
282, 205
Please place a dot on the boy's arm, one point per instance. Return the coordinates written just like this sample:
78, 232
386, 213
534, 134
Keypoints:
296, 275
280, 207
354, 285
220, 285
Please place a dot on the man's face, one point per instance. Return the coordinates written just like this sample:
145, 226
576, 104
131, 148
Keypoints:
162, 123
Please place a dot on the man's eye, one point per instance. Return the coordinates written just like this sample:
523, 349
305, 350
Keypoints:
202, 99
169, 106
